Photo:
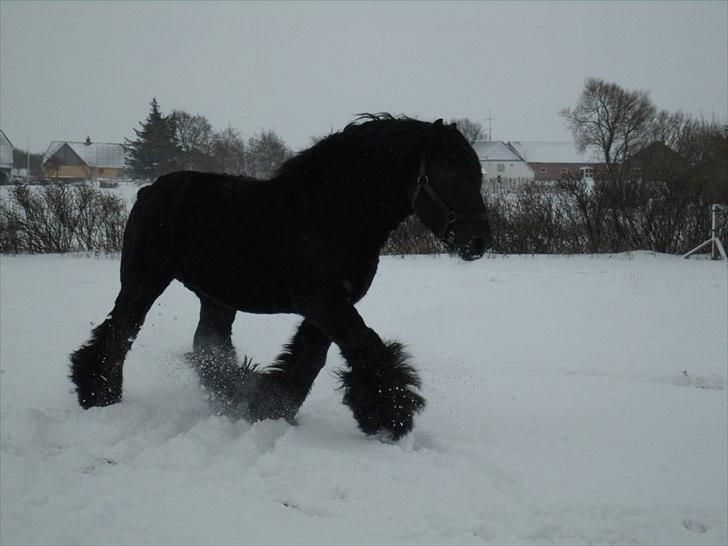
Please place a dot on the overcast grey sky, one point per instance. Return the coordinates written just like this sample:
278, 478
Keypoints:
72, 69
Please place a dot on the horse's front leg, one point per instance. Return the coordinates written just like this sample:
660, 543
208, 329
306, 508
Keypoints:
379, 383
281, 389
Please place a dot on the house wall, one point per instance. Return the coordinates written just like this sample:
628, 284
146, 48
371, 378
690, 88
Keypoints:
67, 171
81, 171
556, 171
511, 170
6, 153
106, 172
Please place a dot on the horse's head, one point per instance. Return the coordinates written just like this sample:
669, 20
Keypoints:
448, 196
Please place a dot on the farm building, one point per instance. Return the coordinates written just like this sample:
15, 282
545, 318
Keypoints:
6, 159
83, 160
502, 165
553, 160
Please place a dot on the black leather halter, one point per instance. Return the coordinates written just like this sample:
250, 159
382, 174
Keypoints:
424, 186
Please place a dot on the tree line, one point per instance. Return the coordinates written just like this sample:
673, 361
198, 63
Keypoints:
656, 175
184, 141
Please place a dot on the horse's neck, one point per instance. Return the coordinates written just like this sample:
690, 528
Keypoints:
369, 212
360, 201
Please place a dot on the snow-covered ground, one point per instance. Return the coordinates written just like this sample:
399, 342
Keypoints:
570, 400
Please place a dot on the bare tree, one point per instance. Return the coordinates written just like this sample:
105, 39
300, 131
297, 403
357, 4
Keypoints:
610, 120
666, 127
471, 130
704, 145
266, 152
194, 136
21, 160
52, 167
229, 152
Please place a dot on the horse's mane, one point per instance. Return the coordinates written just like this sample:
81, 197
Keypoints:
367, 136
372, 140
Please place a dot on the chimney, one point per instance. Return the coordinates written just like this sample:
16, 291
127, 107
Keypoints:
88, 141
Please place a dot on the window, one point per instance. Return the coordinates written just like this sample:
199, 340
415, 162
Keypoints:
501, 168
587, 172
564, 170
101, 171
542, 170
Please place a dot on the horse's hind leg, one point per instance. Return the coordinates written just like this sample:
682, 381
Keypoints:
214, 358
215, 327
282, 388
96, 368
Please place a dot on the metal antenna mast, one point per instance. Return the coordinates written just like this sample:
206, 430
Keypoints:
717, 250
490, 119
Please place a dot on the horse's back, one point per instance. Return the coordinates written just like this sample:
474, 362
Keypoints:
219, 235
181, 194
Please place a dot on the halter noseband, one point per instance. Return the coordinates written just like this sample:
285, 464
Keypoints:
423, 185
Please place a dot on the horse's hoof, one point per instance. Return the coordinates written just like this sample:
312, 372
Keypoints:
388, 414
270, 399
99, 395
382, 399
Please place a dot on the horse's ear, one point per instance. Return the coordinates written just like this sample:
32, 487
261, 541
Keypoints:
435, 136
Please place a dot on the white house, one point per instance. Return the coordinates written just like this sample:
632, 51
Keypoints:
502, 165
6, 159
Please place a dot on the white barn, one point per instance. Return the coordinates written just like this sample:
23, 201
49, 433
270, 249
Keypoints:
502, 165
6, 159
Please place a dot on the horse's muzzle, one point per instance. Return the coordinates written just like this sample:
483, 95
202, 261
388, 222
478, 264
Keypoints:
475, 249
469, 239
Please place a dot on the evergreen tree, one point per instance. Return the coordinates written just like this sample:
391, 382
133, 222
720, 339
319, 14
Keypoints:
155, 150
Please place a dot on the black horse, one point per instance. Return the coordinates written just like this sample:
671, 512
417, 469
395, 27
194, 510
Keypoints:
307, 241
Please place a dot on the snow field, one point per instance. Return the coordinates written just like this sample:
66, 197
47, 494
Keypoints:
570, 400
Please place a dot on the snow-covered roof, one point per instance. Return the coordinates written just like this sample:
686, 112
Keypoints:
534, 151
6, 150
4, 138
495, 150
96, 154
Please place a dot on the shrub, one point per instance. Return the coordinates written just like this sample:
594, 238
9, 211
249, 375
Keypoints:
412, 237
59, 218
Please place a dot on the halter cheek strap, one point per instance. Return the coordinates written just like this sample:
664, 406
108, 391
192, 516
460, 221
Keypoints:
424, 186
